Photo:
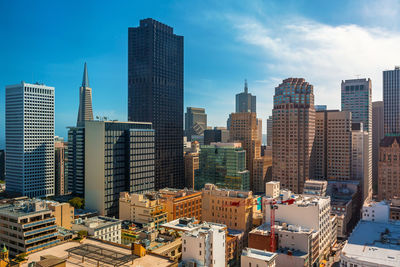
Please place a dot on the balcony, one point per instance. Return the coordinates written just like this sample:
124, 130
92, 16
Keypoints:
30, 224
42, 245
40, 238
28, 233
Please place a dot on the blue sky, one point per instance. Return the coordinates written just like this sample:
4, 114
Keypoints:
225, 42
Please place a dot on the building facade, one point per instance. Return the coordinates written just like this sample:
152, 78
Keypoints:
218, 134
377, 136
119, 157
245, 102
256, 257
391, 101
195, 122
230, 207
59, 166
331, 152
27, 226
361, 162
245, 129
180, 203
29, 124
357, 99
76, 161
293, 133
389, 168
269, 131
85, 112
204, 246
191, 165
155, 94
100, 227
223, 164
145, 209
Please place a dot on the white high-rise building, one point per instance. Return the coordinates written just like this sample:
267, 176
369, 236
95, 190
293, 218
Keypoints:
204, 246
361, 160
30, 139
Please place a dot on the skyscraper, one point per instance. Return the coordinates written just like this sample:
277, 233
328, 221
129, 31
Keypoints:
119, 157
76, 161
195, 122
269, 131
30, 139
389, 168
245, 102
245, 129
391, 100
331, 152
59, 166
357, 98
155, 84
85, 112
377, 136
293, 133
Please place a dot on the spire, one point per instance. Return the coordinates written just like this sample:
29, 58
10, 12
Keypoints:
85, 80
246, 90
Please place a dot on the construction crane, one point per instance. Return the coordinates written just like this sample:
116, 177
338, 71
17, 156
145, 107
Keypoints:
273, 206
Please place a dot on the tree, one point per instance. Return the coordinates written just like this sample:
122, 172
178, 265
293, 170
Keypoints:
77, 202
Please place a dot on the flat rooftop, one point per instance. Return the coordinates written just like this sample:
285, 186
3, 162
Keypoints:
60, 251
375, 242
100, 221
181, 225
259, 254
24, 208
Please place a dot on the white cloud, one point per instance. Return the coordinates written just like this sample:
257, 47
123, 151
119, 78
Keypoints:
322, 54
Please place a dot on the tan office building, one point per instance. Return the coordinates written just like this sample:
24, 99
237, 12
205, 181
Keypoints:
179, 203
142, 208
389, 168
60, 160
229, 207
64, 214
246, 129
191, 164
293, 133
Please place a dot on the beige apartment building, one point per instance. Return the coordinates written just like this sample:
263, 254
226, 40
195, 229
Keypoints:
332, 145
64, 214
389, 168
179, 203
293, 133
142, 208
229, 207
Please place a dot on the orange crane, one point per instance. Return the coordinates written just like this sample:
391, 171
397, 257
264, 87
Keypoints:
273, 206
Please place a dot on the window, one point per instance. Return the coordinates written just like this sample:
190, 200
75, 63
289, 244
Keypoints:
200, 252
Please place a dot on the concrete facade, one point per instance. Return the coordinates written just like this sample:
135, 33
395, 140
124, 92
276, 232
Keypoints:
255, 257
377, 136
389, 168
29, 125
205, 246
293, 133
103, 228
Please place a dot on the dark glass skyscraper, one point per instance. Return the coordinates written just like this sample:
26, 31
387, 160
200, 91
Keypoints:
245, 102
155, 94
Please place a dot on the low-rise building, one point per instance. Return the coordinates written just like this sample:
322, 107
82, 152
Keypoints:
230, 207
204, 246
302, 243
345, 204
103, 228
315, 187
142, 208
27, 226
372, 244
394, 209
260, 258
63, 212
180, 203
375, 211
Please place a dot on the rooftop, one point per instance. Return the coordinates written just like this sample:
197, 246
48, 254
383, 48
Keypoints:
61, 252
205, 228
182, 224
380, 246
259, 254
24, 207
99, 222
